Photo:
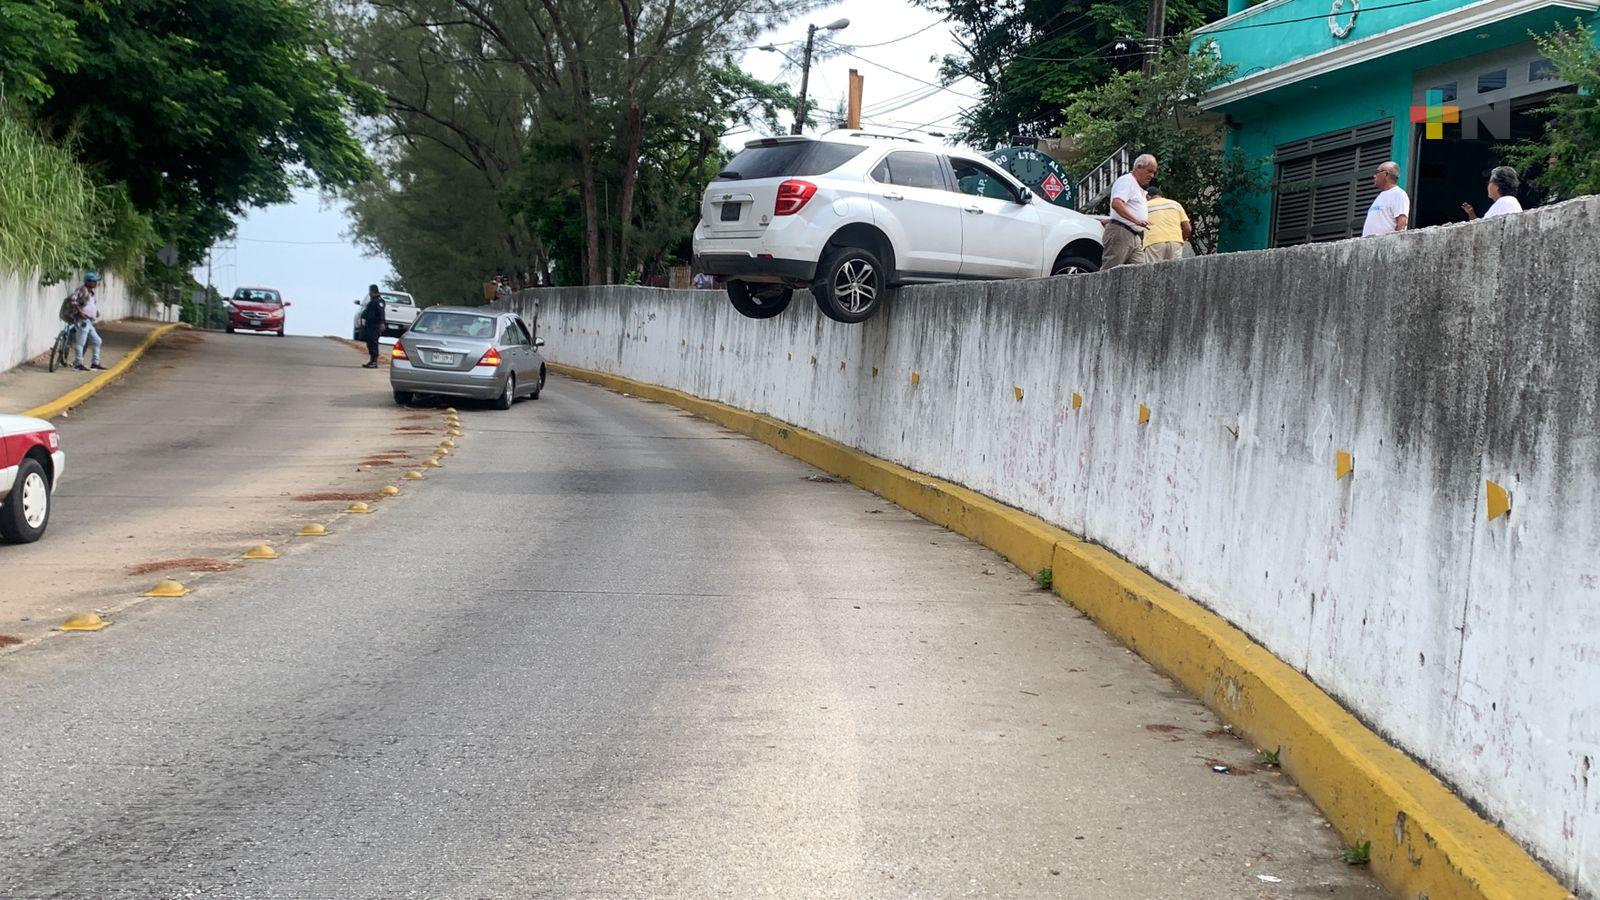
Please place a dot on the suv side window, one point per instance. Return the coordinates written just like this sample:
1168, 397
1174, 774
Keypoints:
980, 180
911, 169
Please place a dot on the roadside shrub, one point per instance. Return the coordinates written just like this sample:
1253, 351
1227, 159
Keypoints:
49, 205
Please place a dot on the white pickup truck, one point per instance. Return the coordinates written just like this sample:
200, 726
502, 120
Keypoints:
399, 312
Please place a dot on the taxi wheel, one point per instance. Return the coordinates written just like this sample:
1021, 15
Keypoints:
26, 510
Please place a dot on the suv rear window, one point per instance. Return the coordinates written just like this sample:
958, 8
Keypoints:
787, 160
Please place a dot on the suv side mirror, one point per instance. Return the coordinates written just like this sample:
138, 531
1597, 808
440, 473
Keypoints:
1026, 197
538, 342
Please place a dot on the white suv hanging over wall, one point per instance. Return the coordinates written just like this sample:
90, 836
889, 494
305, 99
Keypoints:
852, 214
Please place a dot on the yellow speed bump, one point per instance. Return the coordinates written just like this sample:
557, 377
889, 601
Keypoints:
431, 463
167, 587
315, 529
441, 451
450, 410
83, 622
389, 490
260, 551
454, 432
358, 508
412, 475
447, 443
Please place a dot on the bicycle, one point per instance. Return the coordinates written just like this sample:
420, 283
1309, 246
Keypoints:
63, 345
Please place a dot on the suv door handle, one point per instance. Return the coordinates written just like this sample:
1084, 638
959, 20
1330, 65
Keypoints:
893, 195
975, 210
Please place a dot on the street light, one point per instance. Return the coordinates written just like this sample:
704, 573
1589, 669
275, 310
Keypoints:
805, 69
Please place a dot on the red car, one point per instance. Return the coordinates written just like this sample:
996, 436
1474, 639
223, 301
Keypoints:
31, 462
255, 309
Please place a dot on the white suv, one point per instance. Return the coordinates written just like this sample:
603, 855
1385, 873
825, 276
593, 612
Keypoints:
852, 214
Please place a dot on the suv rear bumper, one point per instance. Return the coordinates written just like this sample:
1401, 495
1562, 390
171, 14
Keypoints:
737, 265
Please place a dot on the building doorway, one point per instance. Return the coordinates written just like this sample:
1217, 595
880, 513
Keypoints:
1455, 169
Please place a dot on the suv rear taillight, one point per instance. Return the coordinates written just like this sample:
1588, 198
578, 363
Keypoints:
793, 196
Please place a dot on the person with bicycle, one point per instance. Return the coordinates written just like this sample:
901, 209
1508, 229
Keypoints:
84, 313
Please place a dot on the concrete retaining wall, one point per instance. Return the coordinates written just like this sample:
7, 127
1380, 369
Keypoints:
28, 309
1440, 360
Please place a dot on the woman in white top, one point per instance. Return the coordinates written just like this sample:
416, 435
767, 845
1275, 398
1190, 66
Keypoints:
1503, 184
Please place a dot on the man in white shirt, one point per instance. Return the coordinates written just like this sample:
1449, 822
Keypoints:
1503, 185
1124, 234
1391, 211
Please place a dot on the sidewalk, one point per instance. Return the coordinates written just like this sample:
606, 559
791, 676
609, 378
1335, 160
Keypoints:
33, 384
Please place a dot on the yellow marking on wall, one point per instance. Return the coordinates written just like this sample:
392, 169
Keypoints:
1144, 414
1017, 392
1077, 400
916, 377
1497, 498
874, 371
1343, 465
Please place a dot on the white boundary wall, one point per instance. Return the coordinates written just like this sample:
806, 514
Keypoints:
1440, 359
28, 309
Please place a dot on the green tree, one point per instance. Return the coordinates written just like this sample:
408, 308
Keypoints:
1565, 160
1028, 55
202, 110
1156, 114
35, 36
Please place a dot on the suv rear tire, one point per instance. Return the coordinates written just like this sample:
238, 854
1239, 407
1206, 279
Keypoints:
759, 301
850, 284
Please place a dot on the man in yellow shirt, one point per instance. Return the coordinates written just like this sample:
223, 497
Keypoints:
1169, 227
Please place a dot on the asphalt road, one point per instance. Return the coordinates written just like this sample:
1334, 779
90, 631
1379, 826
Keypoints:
199, 453
614, 651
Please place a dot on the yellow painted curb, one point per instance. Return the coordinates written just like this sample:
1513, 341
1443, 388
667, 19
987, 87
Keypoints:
1426, 842
94, 385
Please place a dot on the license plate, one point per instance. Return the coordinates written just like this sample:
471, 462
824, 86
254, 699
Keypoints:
730, 212
442, 359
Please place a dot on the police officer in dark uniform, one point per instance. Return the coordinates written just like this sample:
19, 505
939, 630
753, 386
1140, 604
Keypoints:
372, 324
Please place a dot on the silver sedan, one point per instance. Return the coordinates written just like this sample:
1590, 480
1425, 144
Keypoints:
465, 352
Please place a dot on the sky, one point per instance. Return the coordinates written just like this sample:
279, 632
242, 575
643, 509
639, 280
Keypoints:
302, 248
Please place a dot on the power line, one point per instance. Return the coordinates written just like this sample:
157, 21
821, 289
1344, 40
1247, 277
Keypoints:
942, 87
1243, 25
904, 37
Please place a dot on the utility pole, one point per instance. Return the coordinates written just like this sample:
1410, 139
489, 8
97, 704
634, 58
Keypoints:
852, 118
207, 323
805, 81
805, 70
1155, 30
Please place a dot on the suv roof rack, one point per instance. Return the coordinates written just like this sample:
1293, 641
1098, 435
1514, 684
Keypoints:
883, 137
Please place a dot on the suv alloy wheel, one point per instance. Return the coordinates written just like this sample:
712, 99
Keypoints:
850, 284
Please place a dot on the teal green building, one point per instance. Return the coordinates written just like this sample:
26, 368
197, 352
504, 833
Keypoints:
1325, 90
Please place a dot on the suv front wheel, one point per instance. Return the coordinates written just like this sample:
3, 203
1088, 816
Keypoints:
759, 301
850, 284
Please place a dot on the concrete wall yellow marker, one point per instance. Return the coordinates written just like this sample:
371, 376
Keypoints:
431, 463
412, 475
874, 371
1017, 392
389, 490
1497, 498
1343, 465
813, 360
358, 508
260, 551
315, 529
167, 587
1077, 400
916, 377
1144, 414
83, 622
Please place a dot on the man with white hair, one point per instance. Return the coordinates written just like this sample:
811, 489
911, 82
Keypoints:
1391, 211
1124, 235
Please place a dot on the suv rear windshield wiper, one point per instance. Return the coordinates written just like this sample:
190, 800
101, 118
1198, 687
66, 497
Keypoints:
727, 175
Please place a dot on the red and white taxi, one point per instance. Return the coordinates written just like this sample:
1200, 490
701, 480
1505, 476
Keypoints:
31, 463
